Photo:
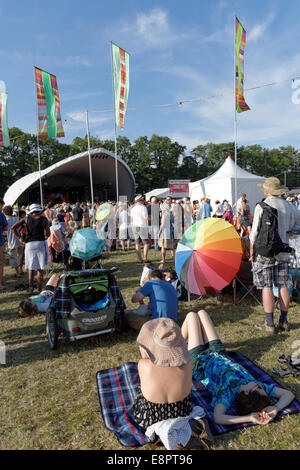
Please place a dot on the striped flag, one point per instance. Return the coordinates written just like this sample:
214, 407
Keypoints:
4, 134
49, 119
240, 42
120, 66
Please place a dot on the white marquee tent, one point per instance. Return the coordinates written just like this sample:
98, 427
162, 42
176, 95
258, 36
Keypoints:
160, 193
221, 185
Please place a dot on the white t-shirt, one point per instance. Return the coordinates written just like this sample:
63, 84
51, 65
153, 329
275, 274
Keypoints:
139, 216
124, 219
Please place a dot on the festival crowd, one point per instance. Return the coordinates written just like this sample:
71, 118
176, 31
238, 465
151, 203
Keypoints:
171, 356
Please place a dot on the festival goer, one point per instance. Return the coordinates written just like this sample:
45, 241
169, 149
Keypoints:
270, 271
188, 213
163, 298
163, 301
49, 213
154, 221
238, 203
39, 303
77, 213
139, 227
206, 208
164, 395
36, 249
228, 381
218, 212
227, 213
165, 372
245, 221
123, 224
166, 230
14, 246
3, 228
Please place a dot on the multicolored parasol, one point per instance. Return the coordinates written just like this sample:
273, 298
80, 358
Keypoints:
208, 256
85, 244
103, 211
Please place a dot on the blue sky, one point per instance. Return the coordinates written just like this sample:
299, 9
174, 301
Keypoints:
179, 51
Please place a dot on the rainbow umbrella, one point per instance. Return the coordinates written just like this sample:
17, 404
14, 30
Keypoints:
208, 256
103, 211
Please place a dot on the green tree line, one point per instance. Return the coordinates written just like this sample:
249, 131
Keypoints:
153, 161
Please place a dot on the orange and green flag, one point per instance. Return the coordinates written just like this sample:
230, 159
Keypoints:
49, 118
240, 43
120, 68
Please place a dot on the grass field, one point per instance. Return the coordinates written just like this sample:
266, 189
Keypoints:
49, 399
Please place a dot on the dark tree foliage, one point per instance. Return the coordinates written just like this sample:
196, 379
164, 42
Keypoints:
153, 161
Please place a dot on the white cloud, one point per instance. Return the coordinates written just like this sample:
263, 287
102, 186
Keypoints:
259, 29
75, 117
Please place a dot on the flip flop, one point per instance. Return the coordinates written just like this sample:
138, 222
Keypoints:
282, 372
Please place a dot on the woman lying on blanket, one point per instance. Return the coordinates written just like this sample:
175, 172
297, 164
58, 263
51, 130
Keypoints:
228, 381
165, 372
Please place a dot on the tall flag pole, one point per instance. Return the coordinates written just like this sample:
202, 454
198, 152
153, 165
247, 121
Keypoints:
4, 133
90, 165
120, 78
49, 122
240, 104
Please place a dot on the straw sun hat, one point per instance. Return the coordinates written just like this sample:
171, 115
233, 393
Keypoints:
162, 340
272, 186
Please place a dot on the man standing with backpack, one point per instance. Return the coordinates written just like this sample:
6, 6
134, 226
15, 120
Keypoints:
269, 250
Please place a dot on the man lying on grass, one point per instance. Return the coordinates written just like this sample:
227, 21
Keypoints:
228, 381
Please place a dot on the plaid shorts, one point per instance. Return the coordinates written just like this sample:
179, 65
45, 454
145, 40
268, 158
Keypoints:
267, 272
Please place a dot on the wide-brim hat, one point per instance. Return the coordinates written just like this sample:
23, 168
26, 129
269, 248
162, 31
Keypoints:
272, 186
138, 197
163, 342
34, 208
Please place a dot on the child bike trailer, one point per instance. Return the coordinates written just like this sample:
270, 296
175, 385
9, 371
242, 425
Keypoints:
85, 304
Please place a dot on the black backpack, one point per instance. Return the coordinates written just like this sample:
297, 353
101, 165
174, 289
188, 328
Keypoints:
268, 242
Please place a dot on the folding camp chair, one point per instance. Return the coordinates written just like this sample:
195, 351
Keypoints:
244, 282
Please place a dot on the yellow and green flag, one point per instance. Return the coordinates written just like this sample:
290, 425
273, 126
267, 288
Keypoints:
49, 119
240, 43
120, 67
4, 134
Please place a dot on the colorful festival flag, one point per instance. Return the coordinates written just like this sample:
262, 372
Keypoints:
240, 42
4, 134
120, 65
49, 119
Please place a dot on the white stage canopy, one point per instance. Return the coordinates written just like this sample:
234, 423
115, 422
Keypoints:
221, 185
73, 172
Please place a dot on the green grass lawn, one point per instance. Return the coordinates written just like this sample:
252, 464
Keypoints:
49, 399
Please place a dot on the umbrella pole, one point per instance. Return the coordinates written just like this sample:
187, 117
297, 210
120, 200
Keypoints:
90, 166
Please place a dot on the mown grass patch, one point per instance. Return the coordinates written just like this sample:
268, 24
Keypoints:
49, 399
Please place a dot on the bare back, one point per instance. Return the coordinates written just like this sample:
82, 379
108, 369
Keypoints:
161, 384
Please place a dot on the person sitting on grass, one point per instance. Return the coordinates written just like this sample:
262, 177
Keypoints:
163, 301
228, 381
165, 372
